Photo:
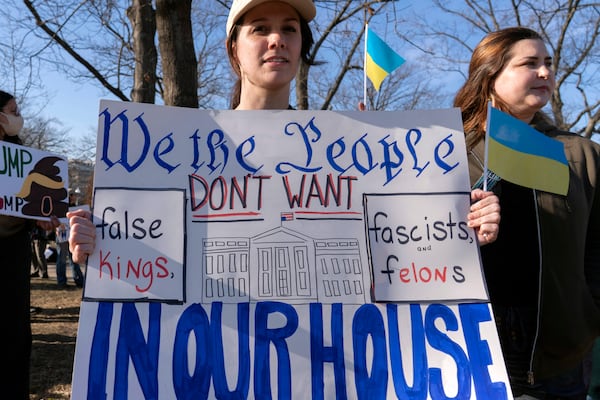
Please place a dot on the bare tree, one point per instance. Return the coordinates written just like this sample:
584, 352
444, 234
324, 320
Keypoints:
19, 72
45, 134
116, 50
54, 24
118, 47
84, 148
173, 20
143, 21
570, 28
120, 53
337, 82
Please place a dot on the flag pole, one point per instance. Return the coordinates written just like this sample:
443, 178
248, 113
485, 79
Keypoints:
486, 142
365, 64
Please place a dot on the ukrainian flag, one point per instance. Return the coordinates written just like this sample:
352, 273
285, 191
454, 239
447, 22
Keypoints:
520, 154
380, 59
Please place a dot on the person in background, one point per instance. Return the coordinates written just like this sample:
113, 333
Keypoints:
543, 271
39, 263
63, 256
15, 263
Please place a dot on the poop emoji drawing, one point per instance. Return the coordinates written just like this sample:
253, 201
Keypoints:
44, 190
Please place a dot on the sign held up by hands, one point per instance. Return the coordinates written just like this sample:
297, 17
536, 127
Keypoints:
33, 183
288, 234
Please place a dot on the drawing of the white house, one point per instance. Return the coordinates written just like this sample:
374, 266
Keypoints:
281, 264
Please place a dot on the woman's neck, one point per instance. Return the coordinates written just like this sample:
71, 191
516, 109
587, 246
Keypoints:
264, 99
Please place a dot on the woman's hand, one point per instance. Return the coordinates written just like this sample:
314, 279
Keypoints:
484, 216
82, 236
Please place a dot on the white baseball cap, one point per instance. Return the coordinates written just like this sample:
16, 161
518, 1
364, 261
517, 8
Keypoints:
306, 9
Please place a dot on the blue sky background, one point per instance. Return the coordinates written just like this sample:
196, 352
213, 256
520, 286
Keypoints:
75, 105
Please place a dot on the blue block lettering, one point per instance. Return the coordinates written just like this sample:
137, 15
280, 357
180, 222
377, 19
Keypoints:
319, 353
418, 391
440, 341
99, 353
144, 355
192, 321
222, 391
264, 336
368, 322
471, 315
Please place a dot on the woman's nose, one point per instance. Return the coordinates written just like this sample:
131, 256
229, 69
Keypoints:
544, 72
276, 40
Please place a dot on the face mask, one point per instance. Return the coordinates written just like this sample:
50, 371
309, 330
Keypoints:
14, 125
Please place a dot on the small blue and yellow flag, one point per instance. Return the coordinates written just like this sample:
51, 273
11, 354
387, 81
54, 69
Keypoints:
522, 155
380, 59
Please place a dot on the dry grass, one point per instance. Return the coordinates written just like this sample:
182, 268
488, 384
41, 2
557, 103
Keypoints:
54, 328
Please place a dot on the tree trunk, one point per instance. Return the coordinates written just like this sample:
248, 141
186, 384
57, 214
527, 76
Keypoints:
302, 87
142, 18
178, 56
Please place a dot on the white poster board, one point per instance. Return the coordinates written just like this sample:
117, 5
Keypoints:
33, 183
283, 254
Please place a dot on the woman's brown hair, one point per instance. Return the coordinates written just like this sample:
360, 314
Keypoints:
489, 58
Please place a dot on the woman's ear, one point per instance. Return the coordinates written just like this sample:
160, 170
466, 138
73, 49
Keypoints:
236, 63
234, 53
3, 118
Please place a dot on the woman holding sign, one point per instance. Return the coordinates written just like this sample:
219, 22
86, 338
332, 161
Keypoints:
543, 272
15, 262
266, 43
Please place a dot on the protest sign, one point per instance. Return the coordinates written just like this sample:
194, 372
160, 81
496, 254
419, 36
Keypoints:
283, 254
33, 183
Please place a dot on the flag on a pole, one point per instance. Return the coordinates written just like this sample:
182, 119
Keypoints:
524, 156
380, 59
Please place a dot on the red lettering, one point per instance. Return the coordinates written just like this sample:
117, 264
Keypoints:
422, 274
105, 264
140, 272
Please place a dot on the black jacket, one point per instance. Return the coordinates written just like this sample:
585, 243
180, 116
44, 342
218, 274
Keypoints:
568, 296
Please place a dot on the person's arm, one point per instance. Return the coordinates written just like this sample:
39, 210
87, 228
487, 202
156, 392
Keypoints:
484, 215
82, 235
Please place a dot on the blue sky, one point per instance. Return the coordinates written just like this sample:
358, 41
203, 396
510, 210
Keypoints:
74, 105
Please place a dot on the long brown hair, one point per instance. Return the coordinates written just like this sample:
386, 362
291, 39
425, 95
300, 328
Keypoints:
489, 58
307, 42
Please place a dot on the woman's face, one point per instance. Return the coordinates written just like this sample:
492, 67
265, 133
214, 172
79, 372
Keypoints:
527, 81
10, 108
268, 46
